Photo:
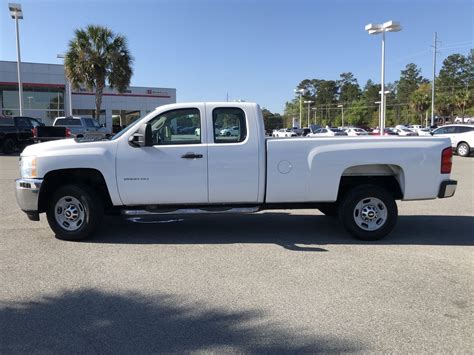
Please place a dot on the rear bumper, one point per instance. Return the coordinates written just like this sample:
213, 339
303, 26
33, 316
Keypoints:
447, 188
27, 196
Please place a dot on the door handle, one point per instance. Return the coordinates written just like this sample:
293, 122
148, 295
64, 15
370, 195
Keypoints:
191, 156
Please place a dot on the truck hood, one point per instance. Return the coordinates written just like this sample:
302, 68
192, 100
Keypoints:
68, 146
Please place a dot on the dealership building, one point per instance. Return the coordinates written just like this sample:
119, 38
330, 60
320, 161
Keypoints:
46, 96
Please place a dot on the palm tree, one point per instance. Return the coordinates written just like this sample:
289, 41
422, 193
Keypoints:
420, 100
97, 56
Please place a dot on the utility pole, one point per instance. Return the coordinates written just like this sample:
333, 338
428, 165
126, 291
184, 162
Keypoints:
434, 77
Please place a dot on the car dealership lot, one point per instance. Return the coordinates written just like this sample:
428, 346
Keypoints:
276, 281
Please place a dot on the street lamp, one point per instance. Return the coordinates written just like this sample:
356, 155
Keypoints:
300, 92
68, 89
374, 29
309, 104
17, 14
342, 108
315, 109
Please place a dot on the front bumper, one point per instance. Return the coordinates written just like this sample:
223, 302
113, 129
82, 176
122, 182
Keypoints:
27, 195
447, 188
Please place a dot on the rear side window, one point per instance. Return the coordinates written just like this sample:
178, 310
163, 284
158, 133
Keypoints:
229, 125
60, 122
463, 129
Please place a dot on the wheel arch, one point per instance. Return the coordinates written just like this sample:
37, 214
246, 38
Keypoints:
92, 178
390, 177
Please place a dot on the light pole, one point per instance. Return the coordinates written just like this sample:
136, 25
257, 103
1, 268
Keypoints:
17, 14
315, 109
309, 102
374, 29
300, 92
342, 108
68, 89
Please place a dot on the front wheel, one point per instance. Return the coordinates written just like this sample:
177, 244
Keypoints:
73, 212
368, 212
463, 149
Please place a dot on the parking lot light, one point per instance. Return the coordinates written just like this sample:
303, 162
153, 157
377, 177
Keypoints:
309, 102
17, 14
300, 92
342, 108
374, 29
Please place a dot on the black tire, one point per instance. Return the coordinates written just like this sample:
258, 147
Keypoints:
374, 203
92, 211
330, 209
463, 149
9, 146
227, 134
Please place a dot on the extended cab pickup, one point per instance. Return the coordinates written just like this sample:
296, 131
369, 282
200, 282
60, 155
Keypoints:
153, 168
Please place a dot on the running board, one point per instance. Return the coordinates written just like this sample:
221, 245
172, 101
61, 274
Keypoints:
185, 211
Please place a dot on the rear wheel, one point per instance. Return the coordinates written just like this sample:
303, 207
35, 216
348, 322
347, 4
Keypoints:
463, 149
73, 212
368, 212
9, 146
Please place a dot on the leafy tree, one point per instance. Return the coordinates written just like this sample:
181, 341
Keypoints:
97, 56
272, 120
462, 99
349, 89
444, 104
420, 100
410, 80
358, 114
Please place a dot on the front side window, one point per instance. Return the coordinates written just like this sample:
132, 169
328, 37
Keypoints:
229, 125
181, 126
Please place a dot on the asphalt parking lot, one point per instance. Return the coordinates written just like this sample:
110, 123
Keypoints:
277, 281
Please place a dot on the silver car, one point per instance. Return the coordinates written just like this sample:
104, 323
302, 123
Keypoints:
82, 127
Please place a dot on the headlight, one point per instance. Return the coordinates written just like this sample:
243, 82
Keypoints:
28, 167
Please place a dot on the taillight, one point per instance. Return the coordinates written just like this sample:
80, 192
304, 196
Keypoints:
34, 131
68, 132
446, 160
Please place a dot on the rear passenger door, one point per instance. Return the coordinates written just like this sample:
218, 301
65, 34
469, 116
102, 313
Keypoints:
233, 160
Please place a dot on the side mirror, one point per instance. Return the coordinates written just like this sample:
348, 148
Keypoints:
143, 137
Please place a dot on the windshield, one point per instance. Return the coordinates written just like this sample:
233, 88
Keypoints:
133, 124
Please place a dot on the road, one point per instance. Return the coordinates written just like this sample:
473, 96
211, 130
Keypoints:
277, 281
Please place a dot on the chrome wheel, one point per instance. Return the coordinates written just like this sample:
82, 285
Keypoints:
69, 213
463, 150
370, 214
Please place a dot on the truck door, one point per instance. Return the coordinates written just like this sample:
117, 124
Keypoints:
233, 163
174, 169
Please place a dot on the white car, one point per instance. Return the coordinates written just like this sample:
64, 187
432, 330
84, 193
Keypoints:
404, 132
284, 132
356, 132
422, 131
231, 131
327, 132
461, 135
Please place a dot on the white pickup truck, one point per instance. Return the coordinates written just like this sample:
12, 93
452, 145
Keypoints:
160, 165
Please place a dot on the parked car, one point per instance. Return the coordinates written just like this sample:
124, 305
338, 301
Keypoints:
284, 132
353, 131
141, 175
327, 132
232, 131
386, 132
17, 132
404, 132
422, 131
82, 127
461, 136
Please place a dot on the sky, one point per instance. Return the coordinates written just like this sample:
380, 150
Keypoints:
250, 50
